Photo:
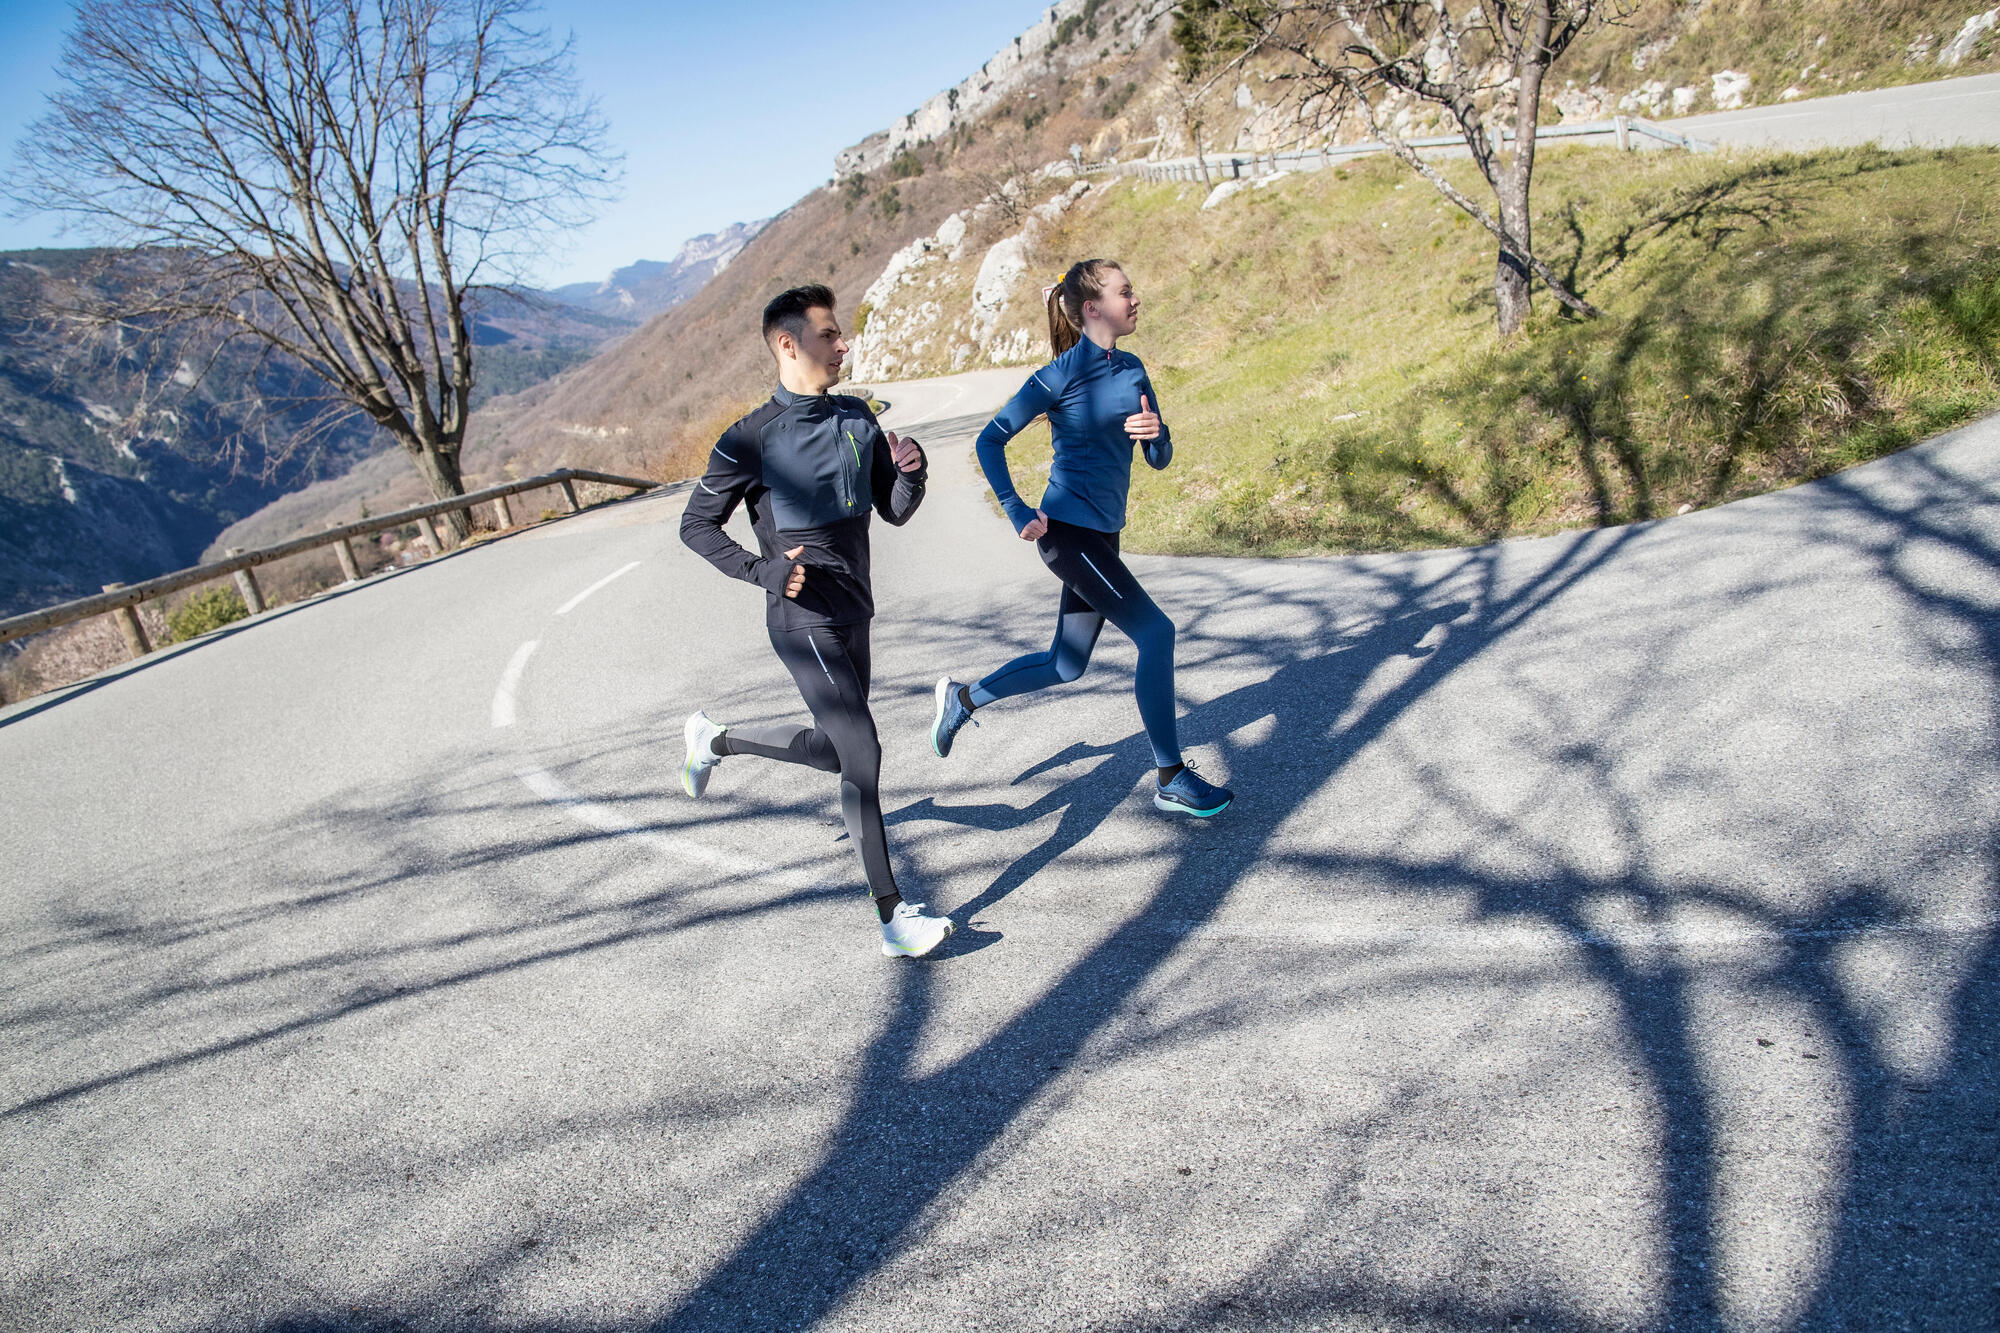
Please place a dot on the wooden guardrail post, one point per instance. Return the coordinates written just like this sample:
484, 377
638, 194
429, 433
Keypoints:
430, 532
569, 495
503, 511
350, 568
246, 586
129, 626
1623, 126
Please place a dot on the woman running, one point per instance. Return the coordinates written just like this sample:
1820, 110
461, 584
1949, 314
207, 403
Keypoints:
1099, 404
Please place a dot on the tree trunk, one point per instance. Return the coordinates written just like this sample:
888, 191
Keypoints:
440, 473
1510, 278
1193, 126
1511, 294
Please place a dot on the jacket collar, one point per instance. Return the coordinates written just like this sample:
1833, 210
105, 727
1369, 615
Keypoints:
1088, 351
786, 398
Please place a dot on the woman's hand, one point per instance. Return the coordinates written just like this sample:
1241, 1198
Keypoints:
798, 576
1036, 526
1143, 424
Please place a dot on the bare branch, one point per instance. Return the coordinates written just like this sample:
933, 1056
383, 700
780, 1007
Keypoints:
1478, 70
332, 177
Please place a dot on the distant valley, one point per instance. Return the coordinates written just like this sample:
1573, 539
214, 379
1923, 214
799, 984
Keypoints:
121, 460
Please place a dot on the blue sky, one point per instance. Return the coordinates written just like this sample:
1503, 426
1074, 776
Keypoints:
725, 112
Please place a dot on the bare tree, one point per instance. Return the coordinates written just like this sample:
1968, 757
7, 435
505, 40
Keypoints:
1214, 43
1483, 70
335, 179
1002, 180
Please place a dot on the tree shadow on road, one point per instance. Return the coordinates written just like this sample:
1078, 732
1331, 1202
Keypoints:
1909, 1237
1920, 1158
856, 1209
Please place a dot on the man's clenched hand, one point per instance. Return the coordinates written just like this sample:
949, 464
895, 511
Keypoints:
798, 578
908, 457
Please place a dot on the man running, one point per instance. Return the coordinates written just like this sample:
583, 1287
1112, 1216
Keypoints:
810, 466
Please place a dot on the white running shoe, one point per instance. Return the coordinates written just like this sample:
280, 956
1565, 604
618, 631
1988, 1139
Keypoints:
909, 933
950, 717
701, 756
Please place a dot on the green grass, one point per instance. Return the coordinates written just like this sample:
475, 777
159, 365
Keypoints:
1335, 384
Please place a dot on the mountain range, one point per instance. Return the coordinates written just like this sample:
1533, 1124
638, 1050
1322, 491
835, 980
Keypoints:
640, 291
661, 355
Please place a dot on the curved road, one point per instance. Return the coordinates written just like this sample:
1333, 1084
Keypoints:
1943, 114
1603, 939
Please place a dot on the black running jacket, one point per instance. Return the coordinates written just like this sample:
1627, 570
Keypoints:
809, 468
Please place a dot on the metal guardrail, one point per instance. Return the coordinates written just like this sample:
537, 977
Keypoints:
1237, 166
119, 599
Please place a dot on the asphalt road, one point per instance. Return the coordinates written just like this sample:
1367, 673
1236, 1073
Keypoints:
1603, 939
1943, 114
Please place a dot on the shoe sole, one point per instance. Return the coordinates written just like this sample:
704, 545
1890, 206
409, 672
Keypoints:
687, 764
1176, 808
891, 951
937, 718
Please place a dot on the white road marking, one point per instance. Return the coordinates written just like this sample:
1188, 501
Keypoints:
577, 600
606, 819
510, 682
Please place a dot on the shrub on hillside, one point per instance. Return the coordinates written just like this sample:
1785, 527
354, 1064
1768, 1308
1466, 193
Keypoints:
205, 611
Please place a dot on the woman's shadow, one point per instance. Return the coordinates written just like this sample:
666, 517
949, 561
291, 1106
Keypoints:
1303, 697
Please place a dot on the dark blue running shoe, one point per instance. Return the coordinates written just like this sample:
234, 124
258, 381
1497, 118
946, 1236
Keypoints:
1188, 794
950, 716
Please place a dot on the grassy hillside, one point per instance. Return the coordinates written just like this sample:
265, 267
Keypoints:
653, 402
1325, 353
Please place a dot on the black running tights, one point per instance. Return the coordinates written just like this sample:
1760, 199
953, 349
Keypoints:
830, 665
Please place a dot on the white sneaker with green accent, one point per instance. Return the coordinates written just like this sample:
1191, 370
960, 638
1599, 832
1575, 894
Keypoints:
701, 755
909, 933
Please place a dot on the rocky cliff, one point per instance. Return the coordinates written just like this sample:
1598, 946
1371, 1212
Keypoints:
1070, 37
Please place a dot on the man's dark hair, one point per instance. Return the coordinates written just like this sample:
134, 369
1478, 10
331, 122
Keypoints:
787, 310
